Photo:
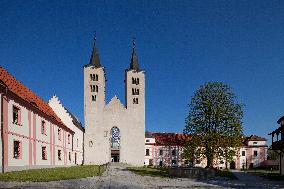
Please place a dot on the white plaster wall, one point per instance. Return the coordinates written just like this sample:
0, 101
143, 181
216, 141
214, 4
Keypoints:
259, 143
25, 152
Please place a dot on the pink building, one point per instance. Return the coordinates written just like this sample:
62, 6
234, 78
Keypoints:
166, 149
32, 134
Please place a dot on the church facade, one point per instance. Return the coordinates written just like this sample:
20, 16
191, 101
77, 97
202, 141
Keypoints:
114, 132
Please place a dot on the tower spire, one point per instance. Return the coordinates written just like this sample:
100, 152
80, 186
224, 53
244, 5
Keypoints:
134, 59
95, 59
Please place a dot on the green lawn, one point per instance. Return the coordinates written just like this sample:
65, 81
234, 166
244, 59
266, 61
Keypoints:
149, 171
52, 174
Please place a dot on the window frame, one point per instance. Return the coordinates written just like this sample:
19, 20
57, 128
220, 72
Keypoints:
59, 153
20, 151
16, 121
147, 150
43, 153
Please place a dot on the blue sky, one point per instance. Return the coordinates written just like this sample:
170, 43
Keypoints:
180, 44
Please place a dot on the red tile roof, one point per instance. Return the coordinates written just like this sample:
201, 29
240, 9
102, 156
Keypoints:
170, 139
26, 94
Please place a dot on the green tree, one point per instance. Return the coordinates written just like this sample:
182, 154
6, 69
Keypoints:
271, 154
214, 122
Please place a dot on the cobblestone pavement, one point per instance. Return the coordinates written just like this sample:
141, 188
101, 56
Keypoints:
118, 177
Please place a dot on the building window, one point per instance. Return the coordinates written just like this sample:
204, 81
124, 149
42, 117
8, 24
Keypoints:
43, 128
135, 91
43, 153
254, 143
174, 162
16, 115
17, 149
135, 100
77, 142
161, 152
221, 162
59, 155
97, 89
68, 138
135, 81
59, 134
94, 97
243, 153
93, 88
161, 163
174, 153
147, 140
70, 156
90, 143
147, 152
197, 161
94, 77
255, 153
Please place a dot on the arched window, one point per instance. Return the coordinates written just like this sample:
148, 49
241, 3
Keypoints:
115, 138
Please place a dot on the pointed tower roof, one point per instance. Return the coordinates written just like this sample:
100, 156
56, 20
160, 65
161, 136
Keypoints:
95, 59
134, 59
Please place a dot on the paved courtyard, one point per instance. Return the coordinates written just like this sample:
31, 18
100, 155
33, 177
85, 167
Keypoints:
118, 177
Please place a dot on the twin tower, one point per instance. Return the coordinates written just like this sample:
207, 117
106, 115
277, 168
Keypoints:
114, 132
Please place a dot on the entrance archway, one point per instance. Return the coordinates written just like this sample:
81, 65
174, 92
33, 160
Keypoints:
115, 144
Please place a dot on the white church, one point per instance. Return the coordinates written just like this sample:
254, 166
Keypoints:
114, 132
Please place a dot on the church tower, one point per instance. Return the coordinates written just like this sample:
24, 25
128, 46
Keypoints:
94, 97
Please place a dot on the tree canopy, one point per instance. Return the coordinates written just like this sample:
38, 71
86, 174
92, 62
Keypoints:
214, 121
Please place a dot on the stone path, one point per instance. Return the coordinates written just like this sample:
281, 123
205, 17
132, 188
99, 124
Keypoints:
118, 177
